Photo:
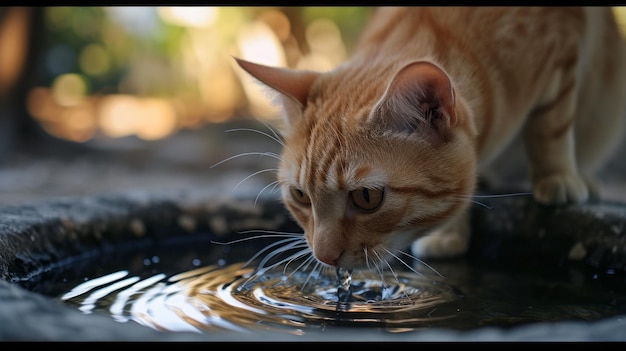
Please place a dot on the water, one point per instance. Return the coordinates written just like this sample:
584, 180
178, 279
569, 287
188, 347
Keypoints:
208, 288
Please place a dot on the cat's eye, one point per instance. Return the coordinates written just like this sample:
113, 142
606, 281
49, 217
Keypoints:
300, 196
367, 199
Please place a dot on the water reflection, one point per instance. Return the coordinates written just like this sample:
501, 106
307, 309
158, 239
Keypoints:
233, 297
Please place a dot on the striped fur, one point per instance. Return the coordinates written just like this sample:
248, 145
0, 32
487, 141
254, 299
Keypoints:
427, 99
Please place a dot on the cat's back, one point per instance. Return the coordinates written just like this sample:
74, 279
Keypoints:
506, 61
503, 44
493, 31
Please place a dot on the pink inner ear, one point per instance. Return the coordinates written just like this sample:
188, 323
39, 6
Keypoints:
430, 84
293, 83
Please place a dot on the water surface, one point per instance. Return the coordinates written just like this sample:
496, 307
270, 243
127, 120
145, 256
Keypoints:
206, 287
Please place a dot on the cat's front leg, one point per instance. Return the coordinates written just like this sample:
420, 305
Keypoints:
549, 141
449, 241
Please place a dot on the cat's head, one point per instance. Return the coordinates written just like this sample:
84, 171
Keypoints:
372, 160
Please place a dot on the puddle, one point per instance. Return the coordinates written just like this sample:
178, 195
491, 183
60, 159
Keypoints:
204, 287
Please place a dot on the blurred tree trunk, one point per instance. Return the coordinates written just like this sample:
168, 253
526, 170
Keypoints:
294, 13
21, 43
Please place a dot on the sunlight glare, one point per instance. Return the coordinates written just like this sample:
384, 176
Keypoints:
158, 119
189, 16
258, 43
119, 115
620, 17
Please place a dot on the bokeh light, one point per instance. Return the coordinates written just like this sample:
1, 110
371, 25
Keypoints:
120, 115
189, 16
620, 16
94, 60
148, 72
69, 89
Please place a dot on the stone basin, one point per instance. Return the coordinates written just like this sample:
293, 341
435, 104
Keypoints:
38, 237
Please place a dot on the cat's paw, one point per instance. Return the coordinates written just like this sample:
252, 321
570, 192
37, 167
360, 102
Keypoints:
559, 189
439, 245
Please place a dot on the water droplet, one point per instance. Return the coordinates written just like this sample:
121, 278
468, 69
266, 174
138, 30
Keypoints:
344, 295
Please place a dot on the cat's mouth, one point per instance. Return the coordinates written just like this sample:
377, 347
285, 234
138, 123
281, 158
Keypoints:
374, 257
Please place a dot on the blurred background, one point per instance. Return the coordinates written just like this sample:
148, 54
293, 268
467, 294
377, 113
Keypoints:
96, 99
99, 99
104, 73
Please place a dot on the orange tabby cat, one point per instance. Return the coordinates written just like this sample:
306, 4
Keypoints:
386, 148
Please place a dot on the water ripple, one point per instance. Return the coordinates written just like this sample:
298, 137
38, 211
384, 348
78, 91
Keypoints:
234, 298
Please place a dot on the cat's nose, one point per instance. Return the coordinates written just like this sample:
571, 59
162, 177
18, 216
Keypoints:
332, 260
327, 246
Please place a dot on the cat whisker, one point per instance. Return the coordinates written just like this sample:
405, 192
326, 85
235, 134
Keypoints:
274, 183
393, 272
252, 153
291, 241
502, 195
268, 247
473, 198
367, 259
256, 199
421, 262
292, 257
273, 130
286, 260
311, 259
303, 264
272, 235
404, 263
253, 174
315, 270
261, 268
377, 266
288, 244
483, 205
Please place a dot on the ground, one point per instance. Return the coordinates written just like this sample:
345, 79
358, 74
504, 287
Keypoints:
45, 171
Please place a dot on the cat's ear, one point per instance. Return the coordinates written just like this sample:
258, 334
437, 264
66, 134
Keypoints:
294, 85
420, 96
